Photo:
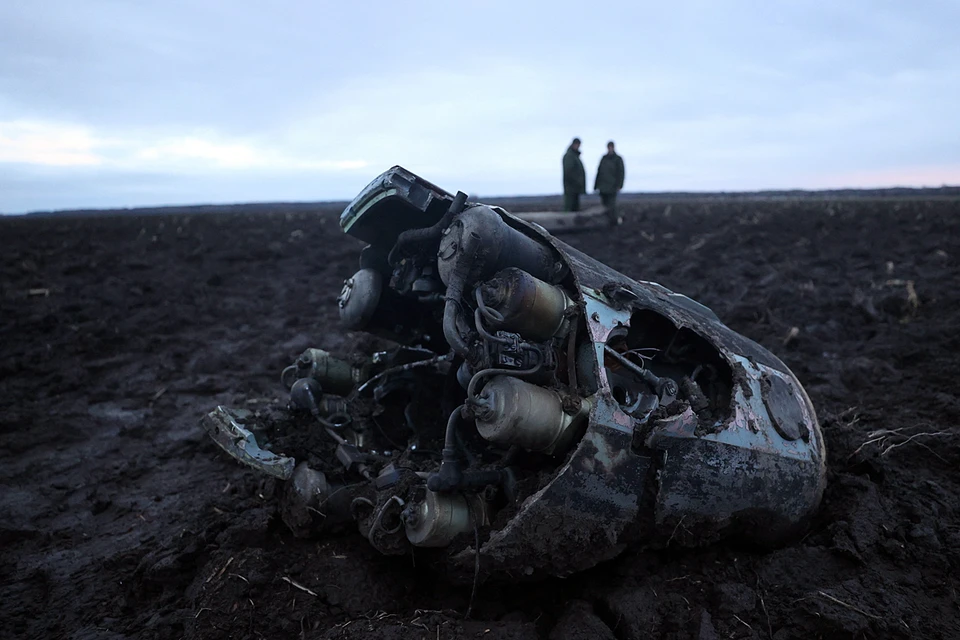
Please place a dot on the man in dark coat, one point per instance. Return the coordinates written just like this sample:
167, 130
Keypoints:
609, 182
574, 177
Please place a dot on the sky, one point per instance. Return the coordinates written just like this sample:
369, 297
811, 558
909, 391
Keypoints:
131, 103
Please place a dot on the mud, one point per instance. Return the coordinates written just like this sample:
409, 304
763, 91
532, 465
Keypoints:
118, 518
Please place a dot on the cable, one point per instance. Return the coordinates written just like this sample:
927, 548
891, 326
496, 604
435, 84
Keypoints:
411, 236
449, 476
378, 520
490, 314
408, 416
329, 423
641, 372
339, 439
398, 369
486, 335
383, 433
458, 280
285, 373
476, 562
449, 439
472, 387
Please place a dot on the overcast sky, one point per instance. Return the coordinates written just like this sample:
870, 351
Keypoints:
124, 103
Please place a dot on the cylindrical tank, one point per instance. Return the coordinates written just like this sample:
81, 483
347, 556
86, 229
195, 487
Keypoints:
359, 299
368, 304
500, 246
529, 306
311, 502
514, 412
439, 518
335, 375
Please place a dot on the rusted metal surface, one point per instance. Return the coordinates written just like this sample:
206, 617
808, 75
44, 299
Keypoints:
585, 515
226, 428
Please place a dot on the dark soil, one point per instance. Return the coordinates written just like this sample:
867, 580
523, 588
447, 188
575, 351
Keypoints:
118, 518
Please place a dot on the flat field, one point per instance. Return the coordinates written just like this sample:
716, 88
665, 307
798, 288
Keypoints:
119, 518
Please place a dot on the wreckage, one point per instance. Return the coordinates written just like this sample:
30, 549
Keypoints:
537, 411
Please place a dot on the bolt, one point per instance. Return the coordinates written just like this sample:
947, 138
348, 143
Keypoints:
571, 404
345, 293
410, 516
595, 316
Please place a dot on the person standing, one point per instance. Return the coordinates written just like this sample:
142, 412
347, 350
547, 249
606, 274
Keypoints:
574, 177
609, 181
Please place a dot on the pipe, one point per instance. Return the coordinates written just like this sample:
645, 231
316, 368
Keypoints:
657, 384
411, 236
458, 282
449, 476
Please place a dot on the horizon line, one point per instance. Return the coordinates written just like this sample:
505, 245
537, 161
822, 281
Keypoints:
878, 191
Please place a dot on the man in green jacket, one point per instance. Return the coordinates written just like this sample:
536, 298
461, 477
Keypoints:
609, 182
574, 177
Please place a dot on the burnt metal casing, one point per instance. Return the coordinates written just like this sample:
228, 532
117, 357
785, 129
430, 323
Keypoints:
359, 299
755, 469
439, 518
336, 375
499, 245
514, 412
526, 305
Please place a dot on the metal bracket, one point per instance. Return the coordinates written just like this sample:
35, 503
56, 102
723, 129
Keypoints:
226, 428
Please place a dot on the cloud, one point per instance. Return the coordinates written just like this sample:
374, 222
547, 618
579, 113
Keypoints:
55, 144
909, 176
214, 153
191, 149
489, 115
227, 100
50, 144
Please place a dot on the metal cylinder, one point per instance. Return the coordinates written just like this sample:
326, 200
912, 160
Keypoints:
359, 298
500, 246
368, 303
312, 503
439, 518
514, 412
529, 306
336, 375
464, 373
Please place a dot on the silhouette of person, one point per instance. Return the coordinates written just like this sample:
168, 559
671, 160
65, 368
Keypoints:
574, 177
609, 181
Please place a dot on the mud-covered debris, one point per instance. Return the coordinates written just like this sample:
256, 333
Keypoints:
533, 412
